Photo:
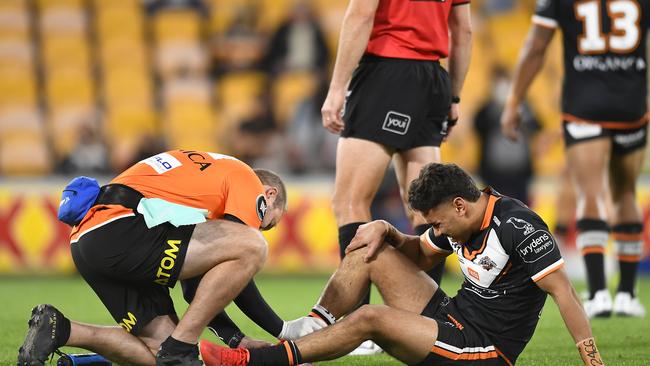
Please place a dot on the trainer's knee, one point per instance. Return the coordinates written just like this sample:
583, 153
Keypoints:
253, 252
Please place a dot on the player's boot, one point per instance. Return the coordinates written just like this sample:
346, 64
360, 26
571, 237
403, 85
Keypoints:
626, 305
600, 306
164, 358
40, 341
367, 348
215, 355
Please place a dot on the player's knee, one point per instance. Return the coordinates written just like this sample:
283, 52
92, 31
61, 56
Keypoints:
369, 317
350, 203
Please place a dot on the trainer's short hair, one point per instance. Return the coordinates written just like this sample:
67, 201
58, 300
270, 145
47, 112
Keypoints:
270, 178
438, 183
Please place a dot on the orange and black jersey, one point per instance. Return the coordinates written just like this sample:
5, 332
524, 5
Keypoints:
501, 264
218, 183
604, 58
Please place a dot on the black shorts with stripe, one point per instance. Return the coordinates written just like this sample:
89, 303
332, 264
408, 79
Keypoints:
398, 103
624, 140
131, 267
458, 343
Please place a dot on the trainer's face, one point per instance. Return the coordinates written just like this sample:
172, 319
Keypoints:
448, 218
273, 214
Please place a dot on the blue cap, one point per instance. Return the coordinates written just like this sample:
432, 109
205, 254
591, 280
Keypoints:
77, 198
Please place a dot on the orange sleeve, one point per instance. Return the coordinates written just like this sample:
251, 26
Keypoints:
245, 196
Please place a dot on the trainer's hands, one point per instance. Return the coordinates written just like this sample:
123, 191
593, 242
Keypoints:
369, 235
294, 329
510, 121
331, 110
250, 343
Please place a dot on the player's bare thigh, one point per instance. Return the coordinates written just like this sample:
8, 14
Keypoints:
217, 241
400, 282
407, 168
360, 169
588, 163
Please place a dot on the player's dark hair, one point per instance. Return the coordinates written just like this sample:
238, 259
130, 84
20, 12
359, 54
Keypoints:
269, 178
440, 183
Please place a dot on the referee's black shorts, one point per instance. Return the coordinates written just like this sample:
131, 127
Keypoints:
399, 103
131, 267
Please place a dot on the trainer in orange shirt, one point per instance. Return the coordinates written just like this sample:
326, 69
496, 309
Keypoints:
178, 215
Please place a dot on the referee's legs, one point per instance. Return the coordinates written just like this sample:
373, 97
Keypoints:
407, 168
360, 169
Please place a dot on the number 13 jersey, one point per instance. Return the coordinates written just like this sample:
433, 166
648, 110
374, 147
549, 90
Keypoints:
604, 59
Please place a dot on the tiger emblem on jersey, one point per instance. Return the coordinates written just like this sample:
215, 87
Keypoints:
486, 263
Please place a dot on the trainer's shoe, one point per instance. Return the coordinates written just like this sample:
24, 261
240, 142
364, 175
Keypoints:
366, 348
164, 358
600, 306
215, 355
626, 305
40, 341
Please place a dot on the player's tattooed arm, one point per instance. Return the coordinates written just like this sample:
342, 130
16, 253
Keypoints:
559, 287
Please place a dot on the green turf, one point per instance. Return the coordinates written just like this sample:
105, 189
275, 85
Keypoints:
622, 341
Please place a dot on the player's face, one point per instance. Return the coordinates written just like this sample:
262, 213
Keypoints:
447, 219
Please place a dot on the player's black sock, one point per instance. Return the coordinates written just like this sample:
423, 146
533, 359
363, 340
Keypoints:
285, 353
346, 233
62, 333
436, 272
628, 276
174, 346
595, 263
592, 239
629, 247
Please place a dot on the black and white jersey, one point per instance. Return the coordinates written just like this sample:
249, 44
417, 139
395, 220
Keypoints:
501, 264
604, 58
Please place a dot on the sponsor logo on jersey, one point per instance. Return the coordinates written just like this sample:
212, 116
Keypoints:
536, 246
473, 273
396, 122
261, 206
197, 159
486, 263
521, 225
162, 163
608, 63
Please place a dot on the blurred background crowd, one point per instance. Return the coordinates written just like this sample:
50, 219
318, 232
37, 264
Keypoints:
92, 86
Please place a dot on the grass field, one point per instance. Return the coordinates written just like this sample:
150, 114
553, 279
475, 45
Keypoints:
622, 341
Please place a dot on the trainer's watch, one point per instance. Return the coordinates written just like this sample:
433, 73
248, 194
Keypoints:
455, 99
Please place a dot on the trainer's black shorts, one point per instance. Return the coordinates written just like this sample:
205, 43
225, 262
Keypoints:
458, 343
624, 141
131, 267
399, 103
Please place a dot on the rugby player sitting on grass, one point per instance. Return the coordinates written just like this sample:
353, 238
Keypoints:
509, 260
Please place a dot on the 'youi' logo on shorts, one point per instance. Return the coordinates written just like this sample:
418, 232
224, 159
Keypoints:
396, 122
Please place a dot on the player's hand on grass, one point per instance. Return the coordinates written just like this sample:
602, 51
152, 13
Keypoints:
369, 235
250, 343
294, 329
510, 121
331, 110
